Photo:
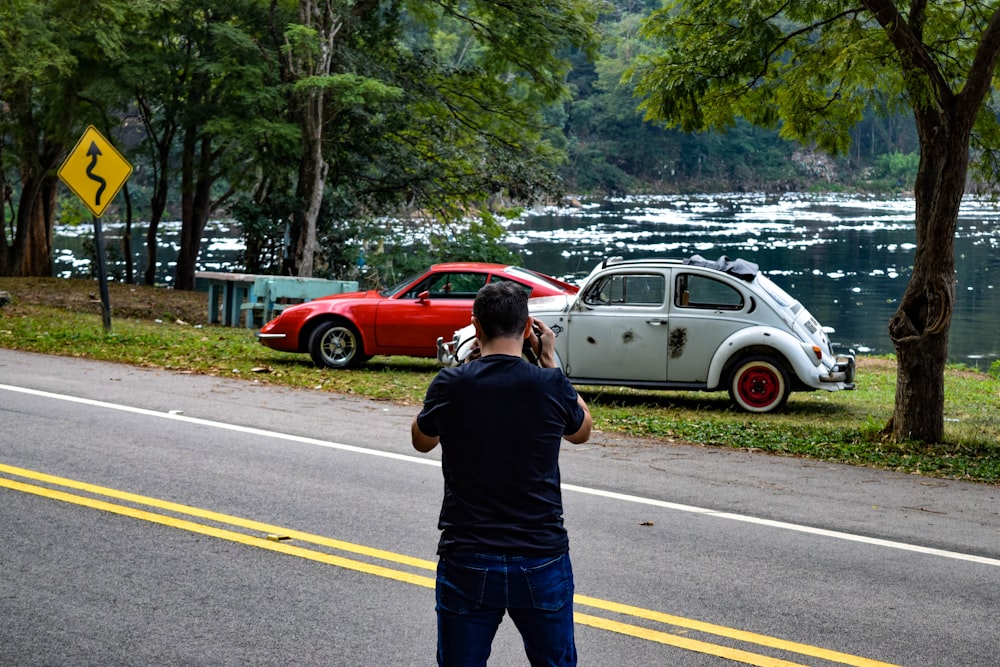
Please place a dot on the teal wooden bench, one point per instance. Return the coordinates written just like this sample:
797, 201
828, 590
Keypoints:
227, 292
275, 293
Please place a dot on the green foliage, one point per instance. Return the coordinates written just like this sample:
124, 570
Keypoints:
265, 229
477, 79
381, 252
481, 240
72, 211
613, 149
899, 166
388, 255
793, 68
53, 56
433, 109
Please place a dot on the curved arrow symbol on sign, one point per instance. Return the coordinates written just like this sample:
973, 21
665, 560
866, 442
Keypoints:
94, 152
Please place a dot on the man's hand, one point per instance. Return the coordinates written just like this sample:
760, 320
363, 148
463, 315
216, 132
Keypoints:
543, 344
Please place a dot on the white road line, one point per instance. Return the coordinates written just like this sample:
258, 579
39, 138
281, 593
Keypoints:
612, 495
221, 425
850, 537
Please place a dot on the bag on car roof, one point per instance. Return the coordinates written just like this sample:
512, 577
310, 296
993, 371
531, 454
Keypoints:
740, 268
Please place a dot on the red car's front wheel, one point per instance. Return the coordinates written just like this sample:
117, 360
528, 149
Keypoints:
759, 384
336, 345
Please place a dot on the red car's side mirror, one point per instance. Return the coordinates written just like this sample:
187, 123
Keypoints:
423, 296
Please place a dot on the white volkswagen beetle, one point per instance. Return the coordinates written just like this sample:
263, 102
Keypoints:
691, 324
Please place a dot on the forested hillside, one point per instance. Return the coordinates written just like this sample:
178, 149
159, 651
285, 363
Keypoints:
611, 149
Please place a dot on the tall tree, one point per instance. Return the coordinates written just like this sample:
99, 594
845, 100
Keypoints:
316, 61
232, 108
153, 77
309, 56
437, 105
810, 69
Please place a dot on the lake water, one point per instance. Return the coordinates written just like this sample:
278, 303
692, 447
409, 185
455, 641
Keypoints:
847, 258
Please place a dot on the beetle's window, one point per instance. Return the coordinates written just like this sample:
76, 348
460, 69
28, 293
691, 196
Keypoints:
598, 294
627, 290
644, 290
694, 291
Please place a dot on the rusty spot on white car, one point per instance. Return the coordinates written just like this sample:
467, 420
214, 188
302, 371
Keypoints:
678, 339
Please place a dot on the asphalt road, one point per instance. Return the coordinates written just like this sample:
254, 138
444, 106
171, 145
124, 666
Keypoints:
151, 517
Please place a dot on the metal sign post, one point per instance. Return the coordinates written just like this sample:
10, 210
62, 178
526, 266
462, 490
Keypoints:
95, 171
102, 274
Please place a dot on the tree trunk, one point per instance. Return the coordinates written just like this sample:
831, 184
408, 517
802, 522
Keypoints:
127, 238
29, 250
919, 328
38, 249
12, 258
149, 275
161, 183
313, 179
197, 180
30, 254
158, 204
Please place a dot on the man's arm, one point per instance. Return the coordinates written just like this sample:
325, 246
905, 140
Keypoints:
582, 434
423, 442
543, 342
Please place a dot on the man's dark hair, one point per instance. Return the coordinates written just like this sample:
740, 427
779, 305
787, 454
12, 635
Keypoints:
502, 309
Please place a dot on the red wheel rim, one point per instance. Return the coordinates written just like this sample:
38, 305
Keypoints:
759, 386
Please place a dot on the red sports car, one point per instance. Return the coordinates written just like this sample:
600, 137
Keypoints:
345, 330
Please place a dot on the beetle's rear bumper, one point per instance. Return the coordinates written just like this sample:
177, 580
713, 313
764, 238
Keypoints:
446, 351
842, 373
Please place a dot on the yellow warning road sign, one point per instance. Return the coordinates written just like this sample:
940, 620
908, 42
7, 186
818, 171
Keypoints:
95, 171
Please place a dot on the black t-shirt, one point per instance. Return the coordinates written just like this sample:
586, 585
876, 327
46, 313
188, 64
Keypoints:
501, 422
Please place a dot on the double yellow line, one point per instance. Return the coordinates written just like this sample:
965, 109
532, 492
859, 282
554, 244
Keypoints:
283, 540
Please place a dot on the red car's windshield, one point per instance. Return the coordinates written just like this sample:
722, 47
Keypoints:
399, 287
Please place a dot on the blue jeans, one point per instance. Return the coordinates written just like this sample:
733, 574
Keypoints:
474, 591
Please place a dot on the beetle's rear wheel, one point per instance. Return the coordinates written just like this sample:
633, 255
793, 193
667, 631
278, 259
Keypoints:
759, 384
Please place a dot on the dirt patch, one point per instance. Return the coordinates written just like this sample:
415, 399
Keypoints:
127, 301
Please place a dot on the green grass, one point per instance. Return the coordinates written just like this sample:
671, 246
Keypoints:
844, 427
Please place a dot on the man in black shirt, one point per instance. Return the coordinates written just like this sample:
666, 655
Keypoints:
500, 422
